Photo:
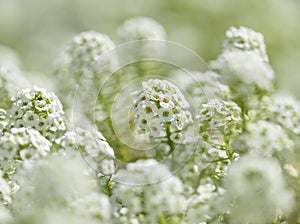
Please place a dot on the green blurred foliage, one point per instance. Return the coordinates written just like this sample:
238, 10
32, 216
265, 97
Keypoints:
38, 30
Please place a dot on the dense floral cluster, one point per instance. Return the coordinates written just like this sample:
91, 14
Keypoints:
220, 121
243, 64
256, 190
83, 54
22, 145
67, 194
246, 39
93, 147
141, 28
161, 193
263, 137
161, 110
38, 109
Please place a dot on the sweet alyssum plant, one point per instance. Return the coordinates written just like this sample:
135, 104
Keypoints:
222, 149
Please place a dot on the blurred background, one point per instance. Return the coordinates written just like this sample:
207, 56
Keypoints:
38, 30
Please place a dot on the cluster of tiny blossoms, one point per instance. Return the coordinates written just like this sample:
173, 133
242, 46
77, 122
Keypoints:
243, 64
84, 52
141, 28
93, 147
161, 110
220, 121
148, 192
38, 109
246, 39
22, 146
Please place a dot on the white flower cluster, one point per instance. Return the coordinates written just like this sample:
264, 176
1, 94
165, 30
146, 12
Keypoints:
264, 138
38, 109
202, 86
202, 204
246, 39
10, 82
149, 193
161, 109
141, 28
255, 190
93, 147
244, 72
220, 121
21, 146
83, 55
282, 110
60, 185
86, 61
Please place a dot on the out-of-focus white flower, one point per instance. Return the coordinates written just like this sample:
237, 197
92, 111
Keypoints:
21, 146
147, 39
85, 51
93, 147
246, 39
160, 107
201, 205
265, 138
140, 192
282, 110
220, 121
201, 86
244, 71
11, 80
141, 28
255, 190
61, 183
38, 109
86, 61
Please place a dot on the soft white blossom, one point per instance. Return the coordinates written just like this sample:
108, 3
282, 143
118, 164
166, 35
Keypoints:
246, 39
159, 108
256, 190
38, 109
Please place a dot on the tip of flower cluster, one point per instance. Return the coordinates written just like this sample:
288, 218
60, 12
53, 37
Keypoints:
246, 39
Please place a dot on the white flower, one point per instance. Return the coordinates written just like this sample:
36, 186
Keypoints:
30, 119
244, 71
265, 138
144, 188
41, 124
165, 114
220, 121
156, 129
16, 113
93, 147
177, 137
160, 105
246, 39
39, 109
141, 28
255, 190
22, 145
11, 80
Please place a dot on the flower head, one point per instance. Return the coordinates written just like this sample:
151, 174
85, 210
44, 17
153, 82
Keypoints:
160, 105
38, 109
22, 145
141, 28
246, 39
255, 190
92, 146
